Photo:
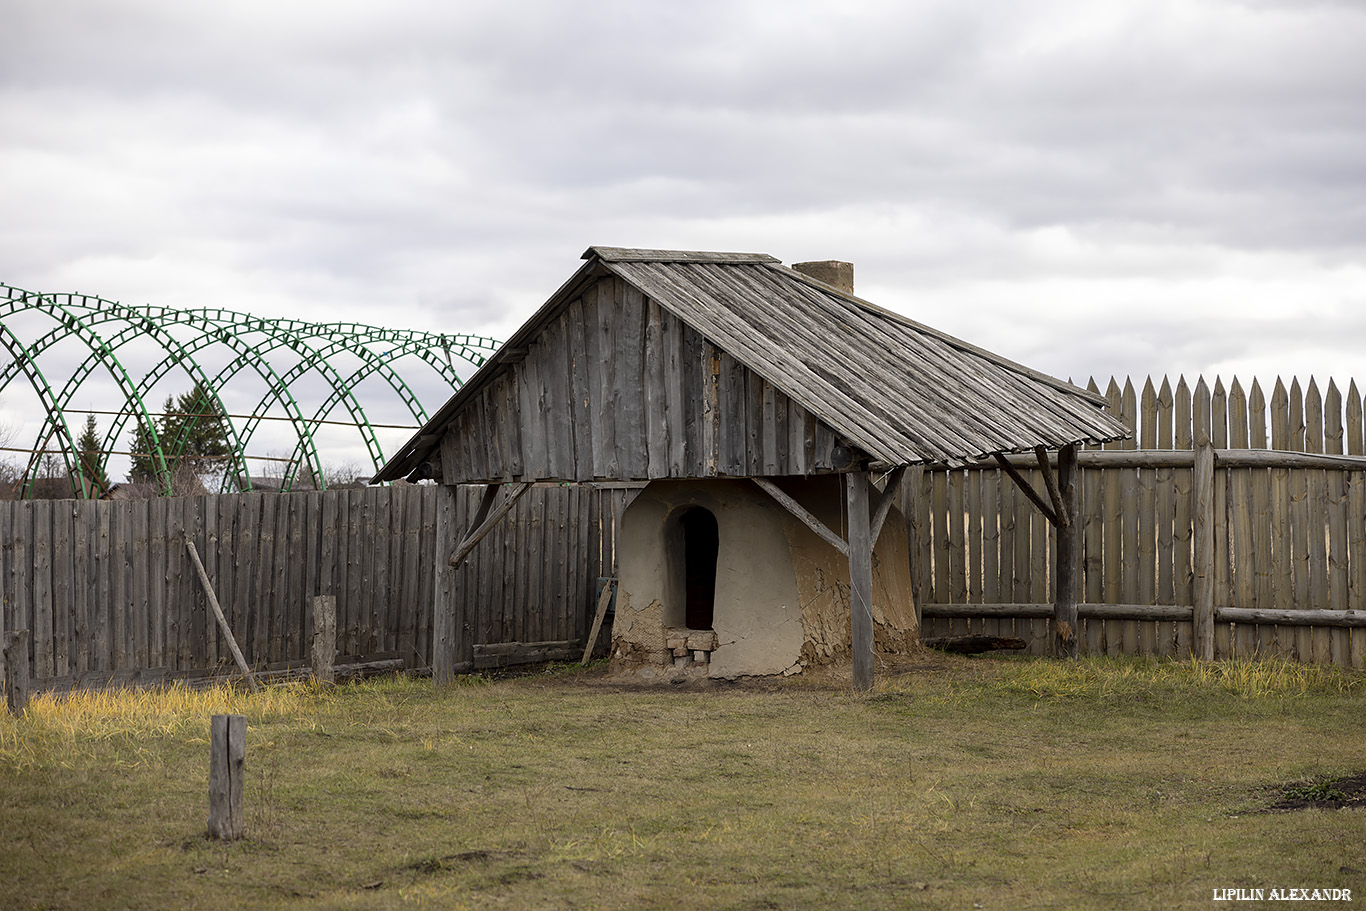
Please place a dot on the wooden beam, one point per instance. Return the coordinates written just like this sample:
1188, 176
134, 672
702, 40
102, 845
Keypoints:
480, 529
222, 620
856, 486
884, 503
802, 514
1064, 493
1051, 483
1026, 488
1097, 611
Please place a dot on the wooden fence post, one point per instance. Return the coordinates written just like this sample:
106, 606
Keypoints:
227, 765
444, 608
1202, 519
16, 670
324, 638
1065, 625
860, 578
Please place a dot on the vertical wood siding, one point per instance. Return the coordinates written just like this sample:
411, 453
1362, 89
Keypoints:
108, 593
1286, 537
618, 388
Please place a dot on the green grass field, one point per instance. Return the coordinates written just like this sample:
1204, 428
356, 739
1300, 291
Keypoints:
959, 783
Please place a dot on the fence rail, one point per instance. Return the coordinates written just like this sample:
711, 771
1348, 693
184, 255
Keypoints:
1252, 511
109, 594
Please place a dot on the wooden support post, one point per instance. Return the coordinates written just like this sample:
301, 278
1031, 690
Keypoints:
16, 670
444, 609
1202, 515
1065, 624
324, 638
222, 620
227, 766
856, 485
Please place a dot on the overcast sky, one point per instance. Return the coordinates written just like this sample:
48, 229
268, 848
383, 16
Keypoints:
1124, 186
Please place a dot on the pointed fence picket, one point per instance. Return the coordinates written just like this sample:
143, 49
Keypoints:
1286, 519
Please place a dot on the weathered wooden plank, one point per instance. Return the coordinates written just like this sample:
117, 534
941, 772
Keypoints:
121, 593
655, 393
1182, 416
1353, 431
1298, 428
939, 517
1218, 430
1256, 417
629, 356
1203, 520
1146, 563
957, 506
675, 404
1301, 553
1356, 538
1336, 505
989, 496
444, 589
139, 564
1313, 418
581, 370
40, 623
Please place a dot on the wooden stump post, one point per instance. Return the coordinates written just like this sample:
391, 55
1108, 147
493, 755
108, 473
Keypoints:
324, 638
1065, 624
16, 670
860, 578
227, 765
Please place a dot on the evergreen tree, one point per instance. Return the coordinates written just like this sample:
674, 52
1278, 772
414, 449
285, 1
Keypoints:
193, 431
93, 479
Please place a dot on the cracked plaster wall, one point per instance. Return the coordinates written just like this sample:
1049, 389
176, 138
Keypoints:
782, 593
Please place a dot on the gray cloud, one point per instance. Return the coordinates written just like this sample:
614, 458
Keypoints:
1089, 187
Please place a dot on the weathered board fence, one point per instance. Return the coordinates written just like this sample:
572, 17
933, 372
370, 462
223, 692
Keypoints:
110, 594
1228, 523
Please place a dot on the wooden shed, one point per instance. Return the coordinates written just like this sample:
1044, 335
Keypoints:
766, 416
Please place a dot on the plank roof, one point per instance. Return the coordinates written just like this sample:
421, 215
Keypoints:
899, 390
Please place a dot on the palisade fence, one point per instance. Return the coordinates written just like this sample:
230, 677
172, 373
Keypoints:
109, 593
1252, 512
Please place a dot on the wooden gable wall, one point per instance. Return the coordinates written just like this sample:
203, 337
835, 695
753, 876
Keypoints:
617, 388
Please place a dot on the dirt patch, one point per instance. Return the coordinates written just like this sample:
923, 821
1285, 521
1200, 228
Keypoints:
1322, 794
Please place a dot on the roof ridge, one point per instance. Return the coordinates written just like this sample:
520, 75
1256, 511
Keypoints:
638, 255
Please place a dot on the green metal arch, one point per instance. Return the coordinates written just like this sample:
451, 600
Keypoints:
250, 340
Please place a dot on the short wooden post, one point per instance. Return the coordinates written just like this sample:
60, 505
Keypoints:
16, 670
324, 638
227, 765
1065, 624
860, 578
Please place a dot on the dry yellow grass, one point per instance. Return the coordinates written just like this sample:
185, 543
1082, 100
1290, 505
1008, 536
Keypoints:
1008, 784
